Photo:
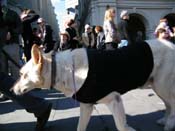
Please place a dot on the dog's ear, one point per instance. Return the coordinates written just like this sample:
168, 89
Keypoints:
37, 57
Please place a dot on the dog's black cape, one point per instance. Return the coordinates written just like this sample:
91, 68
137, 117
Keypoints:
120, 70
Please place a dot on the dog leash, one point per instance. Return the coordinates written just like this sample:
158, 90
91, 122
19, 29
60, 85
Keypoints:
53, 69
73, 76
53, 74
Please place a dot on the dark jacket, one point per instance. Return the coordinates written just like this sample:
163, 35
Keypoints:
27, 28
3, 30
48, 42
10, 22
72, 32
64, 46
28, 34
123, 28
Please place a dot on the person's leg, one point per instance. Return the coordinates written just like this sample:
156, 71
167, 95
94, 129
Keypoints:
13, 52
3, 63
27, 49
40, 107
3, 68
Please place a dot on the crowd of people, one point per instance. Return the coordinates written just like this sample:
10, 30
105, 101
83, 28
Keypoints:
112, 35
163, 31
17, 33
109, 36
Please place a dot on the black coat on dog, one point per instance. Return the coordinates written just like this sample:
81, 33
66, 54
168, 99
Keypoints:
118, 70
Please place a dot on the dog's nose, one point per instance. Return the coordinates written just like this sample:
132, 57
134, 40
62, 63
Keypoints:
16, 91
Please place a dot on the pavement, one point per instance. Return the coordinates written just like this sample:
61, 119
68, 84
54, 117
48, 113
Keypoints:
143, 107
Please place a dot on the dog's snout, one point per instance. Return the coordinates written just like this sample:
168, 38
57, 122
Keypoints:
16, 89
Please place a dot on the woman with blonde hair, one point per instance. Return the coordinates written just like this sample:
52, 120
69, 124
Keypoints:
110, 30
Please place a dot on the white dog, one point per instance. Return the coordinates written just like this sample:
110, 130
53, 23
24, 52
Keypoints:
75, 79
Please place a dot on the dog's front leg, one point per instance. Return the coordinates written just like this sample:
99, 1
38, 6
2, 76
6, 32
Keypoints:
163, 120
85, 113
116, 107
170, 121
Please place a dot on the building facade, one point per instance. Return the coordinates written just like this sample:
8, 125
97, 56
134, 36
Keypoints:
70, 6
144, 14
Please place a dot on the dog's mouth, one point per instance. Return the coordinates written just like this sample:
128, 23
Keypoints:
17, 92
20, 91
24, 91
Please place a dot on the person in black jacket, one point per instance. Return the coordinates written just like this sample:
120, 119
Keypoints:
28, 16
36, 105
71, 29
46, 35
123, 28
10, 30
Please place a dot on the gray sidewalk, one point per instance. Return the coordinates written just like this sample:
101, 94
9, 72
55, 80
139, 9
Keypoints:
142, 107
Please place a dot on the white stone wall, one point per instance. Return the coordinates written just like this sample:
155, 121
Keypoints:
150, 10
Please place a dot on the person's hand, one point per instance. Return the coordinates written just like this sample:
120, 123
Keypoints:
8, 37
41, 47
39, 35
75, 38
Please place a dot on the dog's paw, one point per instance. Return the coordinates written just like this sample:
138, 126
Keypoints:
161, 121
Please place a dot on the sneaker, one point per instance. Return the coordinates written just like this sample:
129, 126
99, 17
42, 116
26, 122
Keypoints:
42, 120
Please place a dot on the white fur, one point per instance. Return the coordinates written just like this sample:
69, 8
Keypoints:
72, 69
164, 79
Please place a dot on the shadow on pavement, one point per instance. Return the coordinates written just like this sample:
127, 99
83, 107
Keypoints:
9, 106
142, 122
58, 98
52, 96
27, 126
146, 122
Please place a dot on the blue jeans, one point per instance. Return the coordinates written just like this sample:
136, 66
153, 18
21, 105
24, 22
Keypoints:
31, 103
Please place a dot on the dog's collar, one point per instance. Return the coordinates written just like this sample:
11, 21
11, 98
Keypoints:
53, 70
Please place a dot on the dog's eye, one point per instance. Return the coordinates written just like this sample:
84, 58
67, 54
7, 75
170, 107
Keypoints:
25, 76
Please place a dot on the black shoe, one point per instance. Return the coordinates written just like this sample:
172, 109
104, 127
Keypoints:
3, 98
42, 120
